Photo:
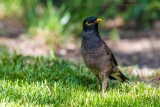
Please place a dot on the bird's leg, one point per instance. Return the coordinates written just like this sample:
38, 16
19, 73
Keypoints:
104, 83
99, 83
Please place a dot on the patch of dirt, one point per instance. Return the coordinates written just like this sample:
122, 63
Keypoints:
10, 27
143, 52
25, 46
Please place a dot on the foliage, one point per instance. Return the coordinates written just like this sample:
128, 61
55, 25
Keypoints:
66, 16
34, 16
42, 81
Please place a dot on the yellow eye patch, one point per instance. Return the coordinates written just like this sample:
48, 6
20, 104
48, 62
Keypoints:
88, 23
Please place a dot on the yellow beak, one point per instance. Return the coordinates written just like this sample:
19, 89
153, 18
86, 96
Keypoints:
98, 20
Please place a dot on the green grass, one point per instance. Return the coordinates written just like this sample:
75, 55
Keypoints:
42, 81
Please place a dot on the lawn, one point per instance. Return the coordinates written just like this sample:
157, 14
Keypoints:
44, 81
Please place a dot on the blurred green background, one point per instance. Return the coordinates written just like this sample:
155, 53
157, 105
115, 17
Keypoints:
65, 17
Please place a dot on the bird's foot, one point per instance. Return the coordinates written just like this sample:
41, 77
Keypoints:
102, 92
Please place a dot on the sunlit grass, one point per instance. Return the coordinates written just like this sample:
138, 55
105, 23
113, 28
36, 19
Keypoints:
42, 81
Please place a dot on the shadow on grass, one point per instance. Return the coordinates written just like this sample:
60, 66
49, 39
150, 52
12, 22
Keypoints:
33, 69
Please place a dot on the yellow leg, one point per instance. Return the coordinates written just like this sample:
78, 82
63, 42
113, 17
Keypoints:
99, 86
99, 83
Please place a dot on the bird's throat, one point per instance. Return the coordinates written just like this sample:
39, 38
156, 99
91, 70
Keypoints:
91, 42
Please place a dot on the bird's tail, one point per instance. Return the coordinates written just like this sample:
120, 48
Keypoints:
119, 76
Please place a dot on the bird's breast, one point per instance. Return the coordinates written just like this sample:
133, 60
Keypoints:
91, 44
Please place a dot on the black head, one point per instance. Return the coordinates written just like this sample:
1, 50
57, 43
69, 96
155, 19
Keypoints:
91, 23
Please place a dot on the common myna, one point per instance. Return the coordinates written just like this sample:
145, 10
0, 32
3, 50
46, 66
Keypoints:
97, 55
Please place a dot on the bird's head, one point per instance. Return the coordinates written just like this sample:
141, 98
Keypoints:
91, 23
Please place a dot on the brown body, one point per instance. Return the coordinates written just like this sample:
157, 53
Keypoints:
98, 56
97, 59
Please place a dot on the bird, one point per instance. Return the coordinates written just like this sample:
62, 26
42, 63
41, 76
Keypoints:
97, 56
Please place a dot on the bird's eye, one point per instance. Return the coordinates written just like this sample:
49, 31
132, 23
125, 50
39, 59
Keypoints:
88, 23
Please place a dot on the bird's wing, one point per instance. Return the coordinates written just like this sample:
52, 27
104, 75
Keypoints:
110, 52
114, 59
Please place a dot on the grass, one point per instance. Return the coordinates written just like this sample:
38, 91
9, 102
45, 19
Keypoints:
42, 81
